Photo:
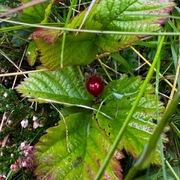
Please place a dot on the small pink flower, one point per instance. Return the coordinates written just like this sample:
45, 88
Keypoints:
14, 167
29, 160
40, 124
29, 152
19, 162
24, 164
26, 153
35, 124
30, 148
2, 177
24, 123
23, 145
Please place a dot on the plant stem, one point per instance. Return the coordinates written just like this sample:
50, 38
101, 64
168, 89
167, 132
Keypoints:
172, 170
25, 25
175, 129
146, 155
158, 118
64, 33
24, 6
105, 70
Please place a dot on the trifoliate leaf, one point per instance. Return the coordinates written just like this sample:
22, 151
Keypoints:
77, 150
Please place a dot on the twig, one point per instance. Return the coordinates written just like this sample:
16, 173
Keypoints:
19, 68
175, 81
10, 61
24, 6
147, 62
23, 72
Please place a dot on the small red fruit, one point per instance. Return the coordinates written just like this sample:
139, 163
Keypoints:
95, 85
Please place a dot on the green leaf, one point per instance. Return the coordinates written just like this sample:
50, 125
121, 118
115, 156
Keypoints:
90, 136
63, 86
78, 50
31, 53
130, 16
88, 147
125, 16
124, 63
141, 127
20, 38
158, 174
33, 14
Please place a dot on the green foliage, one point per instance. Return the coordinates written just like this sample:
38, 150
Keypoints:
9, 102
63, 86
158, 175
106, 15
20, 38
77, 146
141, 126
31, 53
104, 122
87, 149
33, 14
12, 112
82, 50
10, 3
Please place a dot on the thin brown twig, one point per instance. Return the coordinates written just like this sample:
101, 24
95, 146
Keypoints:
3, 54
23, 72
24, 6
147, 62
109, 67
2, 121
175, 81
19, 68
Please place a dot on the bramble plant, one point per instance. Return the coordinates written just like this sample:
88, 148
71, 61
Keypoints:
102, 119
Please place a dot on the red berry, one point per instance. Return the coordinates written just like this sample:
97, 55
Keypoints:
95, 85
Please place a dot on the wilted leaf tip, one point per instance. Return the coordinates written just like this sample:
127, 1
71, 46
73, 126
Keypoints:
48, 35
